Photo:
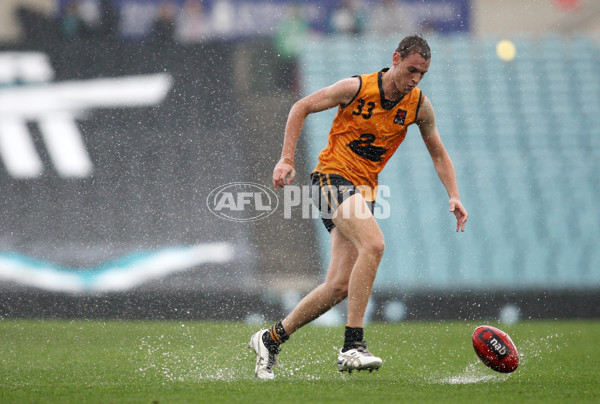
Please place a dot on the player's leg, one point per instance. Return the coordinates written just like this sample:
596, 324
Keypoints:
343, 266
332, 291
356, 223
266, 343
354, 220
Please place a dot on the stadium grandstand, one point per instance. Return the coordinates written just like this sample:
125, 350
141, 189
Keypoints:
122, 122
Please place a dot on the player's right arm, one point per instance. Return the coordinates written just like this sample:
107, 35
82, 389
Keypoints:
340, 93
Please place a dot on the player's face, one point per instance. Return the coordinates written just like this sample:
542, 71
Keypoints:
409, 71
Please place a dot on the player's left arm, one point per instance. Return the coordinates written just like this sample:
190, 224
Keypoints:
441, 161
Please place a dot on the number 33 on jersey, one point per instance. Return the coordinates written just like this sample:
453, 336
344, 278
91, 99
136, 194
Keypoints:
367, 131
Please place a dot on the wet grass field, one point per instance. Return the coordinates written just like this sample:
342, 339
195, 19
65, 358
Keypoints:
192, 362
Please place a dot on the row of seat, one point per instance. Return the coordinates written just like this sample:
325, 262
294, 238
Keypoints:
525, 140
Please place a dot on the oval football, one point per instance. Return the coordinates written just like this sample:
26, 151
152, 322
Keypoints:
495, 348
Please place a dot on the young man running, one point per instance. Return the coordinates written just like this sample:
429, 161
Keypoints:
374, 112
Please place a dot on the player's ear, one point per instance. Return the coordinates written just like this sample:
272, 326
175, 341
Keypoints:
396, 58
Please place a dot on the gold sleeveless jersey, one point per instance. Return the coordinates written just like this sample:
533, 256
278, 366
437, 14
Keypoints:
366, 132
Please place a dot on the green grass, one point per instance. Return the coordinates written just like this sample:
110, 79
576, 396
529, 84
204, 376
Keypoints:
173, 362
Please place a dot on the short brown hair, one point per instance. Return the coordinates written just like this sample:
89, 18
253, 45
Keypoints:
414, 44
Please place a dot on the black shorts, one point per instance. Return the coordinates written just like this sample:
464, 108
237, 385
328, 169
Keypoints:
328, 192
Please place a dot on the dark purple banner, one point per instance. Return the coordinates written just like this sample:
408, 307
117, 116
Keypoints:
196, 20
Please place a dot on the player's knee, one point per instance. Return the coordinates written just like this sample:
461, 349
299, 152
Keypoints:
374, 247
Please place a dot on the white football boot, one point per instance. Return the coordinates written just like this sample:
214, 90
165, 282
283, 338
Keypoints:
358, 358
265, 360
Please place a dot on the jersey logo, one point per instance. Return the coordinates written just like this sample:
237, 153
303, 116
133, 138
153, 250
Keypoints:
365, 149
400, 117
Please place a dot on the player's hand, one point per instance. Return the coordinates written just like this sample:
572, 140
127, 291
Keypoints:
460, 212
283, 174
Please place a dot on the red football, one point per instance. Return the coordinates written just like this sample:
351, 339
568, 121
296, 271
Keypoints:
495, 348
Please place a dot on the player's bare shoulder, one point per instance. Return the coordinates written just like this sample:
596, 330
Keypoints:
426, 115
339, 93
345, 90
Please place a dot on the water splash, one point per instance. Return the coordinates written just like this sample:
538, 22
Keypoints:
534, 349
182, 358
530, 350
176, 361
473, 373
